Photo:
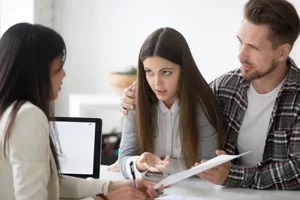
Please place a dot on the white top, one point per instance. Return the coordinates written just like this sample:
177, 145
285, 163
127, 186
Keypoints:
28, 171
167, 142
253, 133
168, 139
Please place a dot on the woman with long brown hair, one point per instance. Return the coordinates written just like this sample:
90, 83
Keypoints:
176, 121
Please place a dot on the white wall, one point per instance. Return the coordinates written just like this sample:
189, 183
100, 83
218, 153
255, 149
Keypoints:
44, 12
31, 11
14, 11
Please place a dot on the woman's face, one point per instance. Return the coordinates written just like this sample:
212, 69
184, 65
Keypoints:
57, 74
163, 77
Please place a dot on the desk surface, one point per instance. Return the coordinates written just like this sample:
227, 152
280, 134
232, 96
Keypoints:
195, 187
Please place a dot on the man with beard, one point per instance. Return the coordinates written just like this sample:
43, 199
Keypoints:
259, 102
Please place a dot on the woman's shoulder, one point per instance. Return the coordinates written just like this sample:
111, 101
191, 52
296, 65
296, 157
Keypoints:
26, 113
30, 124
31, 111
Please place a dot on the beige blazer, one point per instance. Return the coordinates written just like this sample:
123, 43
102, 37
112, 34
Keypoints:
28, 170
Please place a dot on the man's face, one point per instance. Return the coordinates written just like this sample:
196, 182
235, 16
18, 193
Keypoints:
257, 55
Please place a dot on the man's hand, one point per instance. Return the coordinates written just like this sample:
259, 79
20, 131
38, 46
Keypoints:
128, 99
151, 162
218, 174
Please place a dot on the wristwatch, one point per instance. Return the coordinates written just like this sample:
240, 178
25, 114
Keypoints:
102, 196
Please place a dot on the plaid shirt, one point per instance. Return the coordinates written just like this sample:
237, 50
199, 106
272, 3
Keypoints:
280, 167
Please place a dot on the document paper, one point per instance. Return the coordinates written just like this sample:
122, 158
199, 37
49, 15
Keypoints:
174, 178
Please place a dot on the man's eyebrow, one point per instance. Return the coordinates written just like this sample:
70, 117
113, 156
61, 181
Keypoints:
249, 44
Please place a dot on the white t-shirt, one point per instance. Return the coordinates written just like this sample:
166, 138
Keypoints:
253, 133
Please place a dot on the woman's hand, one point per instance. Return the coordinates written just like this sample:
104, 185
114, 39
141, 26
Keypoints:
147, 188
151, 162
113, 167
126, 193
125, 190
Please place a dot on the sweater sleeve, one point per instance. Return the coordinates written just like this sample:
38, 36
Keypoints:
207, 137
129, 145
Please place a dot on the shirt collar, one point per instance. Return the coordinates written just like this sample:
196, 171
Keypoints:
174, 108
293, 79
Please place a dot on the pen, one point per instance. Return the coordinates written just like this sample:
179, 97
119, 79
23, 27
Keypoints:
133, 174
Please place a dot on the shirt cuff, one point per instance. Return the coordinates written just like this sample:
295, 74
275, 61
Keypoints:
235, 177
138, 174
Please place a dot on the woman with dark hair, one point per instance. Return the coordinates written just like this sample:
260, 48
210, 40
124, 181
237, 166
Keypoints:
31, 74
176, 121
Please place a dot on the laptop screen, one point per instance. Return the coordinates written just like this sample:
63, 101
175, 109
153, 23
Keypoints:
80, 140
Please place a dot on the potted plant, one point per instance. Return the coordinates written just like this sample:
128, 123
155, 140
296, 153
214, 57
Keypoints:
121, 80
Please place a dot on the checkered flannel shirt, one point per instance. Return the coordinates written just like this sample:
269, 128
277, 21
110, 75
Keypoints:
280, 166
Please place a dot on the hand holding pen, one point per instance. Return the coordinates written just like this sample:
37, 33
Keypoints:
145, 186
123, 190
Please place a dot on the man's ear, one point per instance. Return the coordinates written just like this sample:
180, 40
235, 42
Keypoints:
284, 51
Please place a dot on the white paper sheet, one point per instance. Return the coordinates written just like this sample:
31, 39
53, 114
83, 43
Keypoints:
174, 178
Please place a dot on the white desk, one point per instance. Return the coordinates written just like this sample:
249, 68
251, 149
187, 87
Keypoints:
203, 190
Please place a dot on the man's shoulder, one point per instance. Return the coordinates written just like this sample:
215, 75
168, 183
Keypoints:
232, 78
293, 77
233, 74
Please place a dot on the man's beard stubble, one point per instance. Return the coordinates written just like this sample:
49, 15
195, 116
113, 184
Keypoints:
254, 74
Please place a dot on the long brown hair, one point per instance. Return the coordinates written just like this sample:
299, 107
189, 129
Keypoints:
193, 91
26, 52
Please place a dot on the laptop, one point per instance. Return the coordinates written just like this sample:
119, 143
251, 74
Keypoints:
80, 141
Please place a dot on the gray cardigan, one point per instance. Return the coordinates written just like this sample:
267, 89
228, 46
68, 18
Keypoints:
207, 141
